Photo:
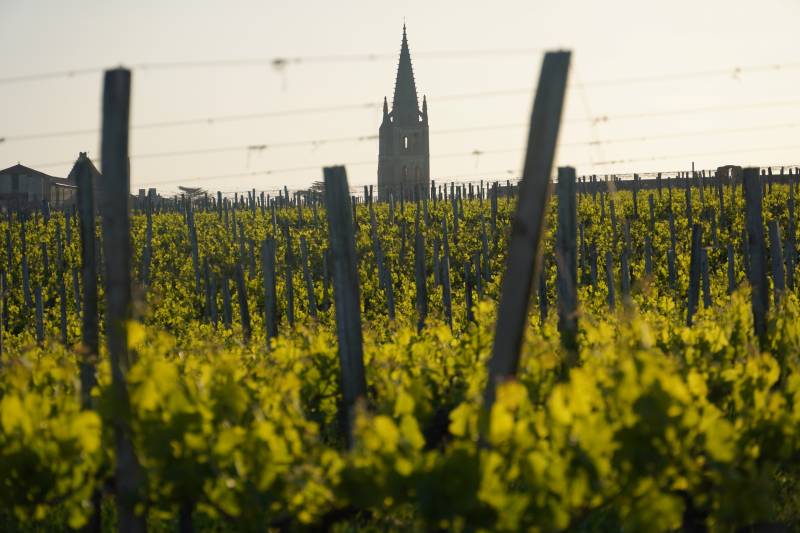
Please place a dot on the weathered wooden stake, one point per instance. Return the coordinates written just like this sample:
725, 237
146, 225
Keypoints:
312, 299
566, 261
705, 278
447, 299
528, 222
345, 281
117, 257
420, 276
610, 279
244, 310
731, 270
776, 254
695, 266
37, 292
757, 250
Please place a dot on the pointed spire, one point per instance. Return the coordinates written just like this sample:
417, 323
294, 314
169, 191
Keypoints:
385, 108
424, 108
405, 106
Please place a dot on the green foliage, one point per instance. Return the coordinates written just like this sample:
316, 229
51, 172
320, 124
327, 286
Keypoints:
659, 425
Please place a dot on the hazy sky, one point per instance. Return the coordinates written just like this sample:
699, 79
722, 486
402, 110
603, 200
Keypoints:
673, 95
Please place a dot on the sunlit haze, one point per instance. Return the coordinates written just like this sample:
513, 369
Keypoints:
654, 86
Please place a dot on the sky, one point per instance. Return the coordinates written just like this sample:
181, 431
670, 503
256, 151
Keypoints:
654, 86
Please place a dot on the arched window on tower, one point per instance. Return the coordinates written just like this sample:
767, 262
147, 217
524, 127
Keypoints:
405, 171
405, 142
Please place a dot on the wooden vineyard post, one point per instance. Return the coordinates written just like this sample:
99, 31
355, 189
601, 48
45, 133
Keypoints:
288, 275
528, 222
194, 249
37, 293
776, 254
790, 243
542, 294
567, 263
212, 291
45, 260
731, 270
270, 294
436, 262
10, 254
745, 249
26, 283
326, 276
478, 279
89, 336
147, 254
62, 302
384, 275
227, 310
312, 300
447, 300
244, 310
613, 213
756, 250
117, 252
484, 251
625, 277
705, 278
209, 295
346, 295
76, 290
610, 279
695, 264
289, 281
4, 300
420, 275
688, 192
468, 291
673, 239
494, 212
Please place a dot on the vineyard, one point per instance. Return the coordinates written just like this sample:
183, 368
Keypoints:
324, 361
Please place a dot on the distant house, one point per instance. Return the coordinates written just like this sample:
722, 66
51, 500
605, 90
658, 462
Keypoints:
22, 187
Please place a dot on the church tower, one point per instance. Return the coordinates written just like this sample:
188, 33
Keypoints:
403, 155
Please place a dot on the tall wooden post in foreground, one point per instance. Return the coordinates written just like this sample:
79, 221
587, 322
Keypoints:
117, 252
528, 222
89, 337
346, 295
567, 262
757, 249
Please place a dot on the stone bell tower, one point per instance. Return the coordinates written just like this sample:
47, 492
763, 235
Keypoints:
403, 154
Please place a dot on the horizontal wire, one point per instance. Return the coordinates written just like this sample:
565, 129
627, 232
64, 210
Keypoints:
252, 148
598, 119
697, 154
276, 62
472, 153
281, 62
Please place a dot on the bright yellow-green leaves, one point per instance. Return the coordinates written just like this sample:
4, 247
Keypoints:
50, 450
656, 422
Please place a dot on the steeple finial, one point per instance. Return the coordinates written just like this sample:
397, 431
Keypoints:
405, 105
385, 109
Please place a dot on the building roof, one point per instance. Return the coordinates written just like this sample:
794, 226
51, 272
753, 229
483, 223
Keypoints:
405, 106
22, 169
83, 159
